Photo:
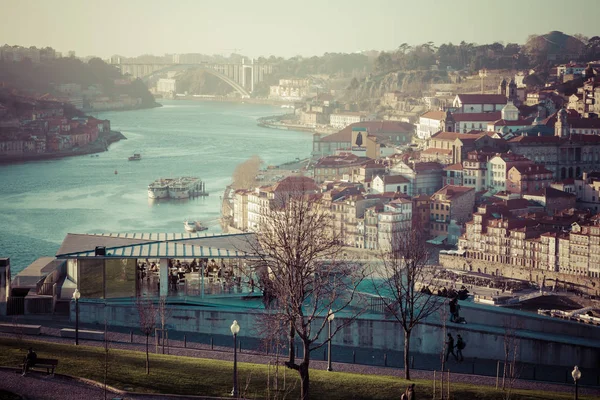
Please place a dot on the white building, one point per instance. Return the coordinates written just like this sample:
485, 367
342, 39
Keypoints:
479, 103
166, 86
396, 217
432, 122
390, 183
498, 167
290, 89
466, 122
342, 120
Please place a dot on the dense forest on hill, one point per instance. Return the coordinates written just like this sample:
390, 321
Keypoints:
42, 76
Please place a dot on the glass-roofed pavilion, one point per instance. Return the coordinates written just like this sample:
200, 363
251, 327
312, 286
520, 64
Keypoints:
128, 265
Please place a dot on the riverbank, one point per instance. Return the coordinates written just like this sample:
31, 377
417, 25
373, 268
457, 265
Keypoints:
141, 107
105, 139
279, 122
226, 99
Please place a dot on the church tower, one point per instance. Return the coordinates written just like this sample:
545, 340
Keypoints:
561, 128
512, 91
447, 123
502, 87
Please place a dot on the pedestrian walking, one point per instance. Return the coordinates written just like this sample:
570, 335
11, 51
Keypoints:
450, 347
460, 345
453, 304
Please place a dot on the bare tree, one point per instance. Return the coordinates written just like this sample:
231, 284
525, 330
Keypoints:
404, 267
303, 275
147, 322
511, 343
17, 330
106, 359
164, 313
244, 175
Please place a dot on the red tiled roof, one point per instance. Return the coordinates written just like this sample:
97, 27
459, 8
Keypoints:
477, 117
434, 150
450, 191
456, 135
425, 166
438, 115
454, 167
535, 139
391, 179
373, 127
584, 123
532, 169
519, 122
295, 183
482, 98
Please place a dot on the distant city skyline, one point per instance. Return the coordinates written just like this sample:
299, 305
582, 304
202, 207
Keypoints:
278, 27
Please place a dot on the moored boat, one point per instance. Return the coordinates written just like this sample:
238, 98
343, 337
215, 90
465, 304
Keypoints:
189, 226
176, 188
135, 157
159, 189
193, 226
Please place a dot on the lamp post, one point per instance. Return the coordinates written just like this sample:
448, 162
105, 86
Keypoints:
330, 317
576, 374
76, 296
235, 328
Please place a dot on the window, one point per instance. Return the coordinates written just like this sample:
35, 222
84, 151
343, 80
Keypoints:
91, 282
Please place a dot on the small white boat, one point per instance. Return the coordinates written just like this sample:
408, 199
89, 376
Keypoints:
135, 157
189, 226
193, 226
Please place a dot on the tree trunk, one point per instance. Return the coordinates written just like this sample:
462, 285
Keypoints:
407, 355
292, 344
304, 376
147, 356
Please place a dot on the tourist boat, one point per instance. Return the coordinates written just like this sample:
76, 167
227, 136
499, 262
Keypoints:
135, 157
176, 188
184, 187
193, 226
159, 189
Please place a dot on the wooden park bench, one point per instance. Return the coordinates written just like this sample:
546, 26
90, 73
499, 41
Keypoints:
49, 364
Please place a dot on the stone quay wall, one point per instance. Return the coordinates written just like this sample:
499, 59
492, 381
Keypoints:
485, 333
585, 284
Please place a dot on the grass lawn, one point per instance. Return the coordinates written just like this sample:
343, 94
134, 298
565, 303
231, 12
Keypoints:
194, 376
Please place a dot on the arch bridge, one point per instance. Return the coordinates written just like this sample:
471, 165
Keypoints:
240, 77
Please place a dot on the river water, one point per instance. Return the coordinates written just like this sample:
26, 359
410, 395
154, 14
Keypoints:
40, 202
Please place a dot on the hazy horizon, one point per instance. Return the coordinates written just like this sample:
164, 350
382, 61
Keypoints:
270, 27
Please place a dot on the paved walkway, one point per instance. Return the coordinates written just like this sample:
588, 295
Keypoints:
121, 340
39, 386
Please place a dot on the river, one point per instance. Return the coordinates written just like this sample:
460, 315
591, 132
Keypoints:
40, 202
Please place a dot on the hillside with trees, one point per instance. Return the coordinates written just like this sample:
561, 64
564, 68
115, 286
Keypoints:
42, 77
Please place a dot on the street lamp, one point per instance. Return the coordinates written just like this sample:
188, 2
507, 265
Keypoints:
576, 374
76, 296
330, 317
235, 328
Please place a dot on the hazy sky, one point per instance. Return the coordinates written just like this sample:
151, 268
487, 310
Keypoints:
281, 27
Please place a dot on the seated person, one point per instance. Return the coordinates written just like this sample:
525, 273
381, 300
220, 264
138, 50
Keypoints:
30, 360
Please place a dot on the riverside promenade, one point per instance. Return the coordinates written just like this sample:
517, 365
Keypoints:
218, 349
